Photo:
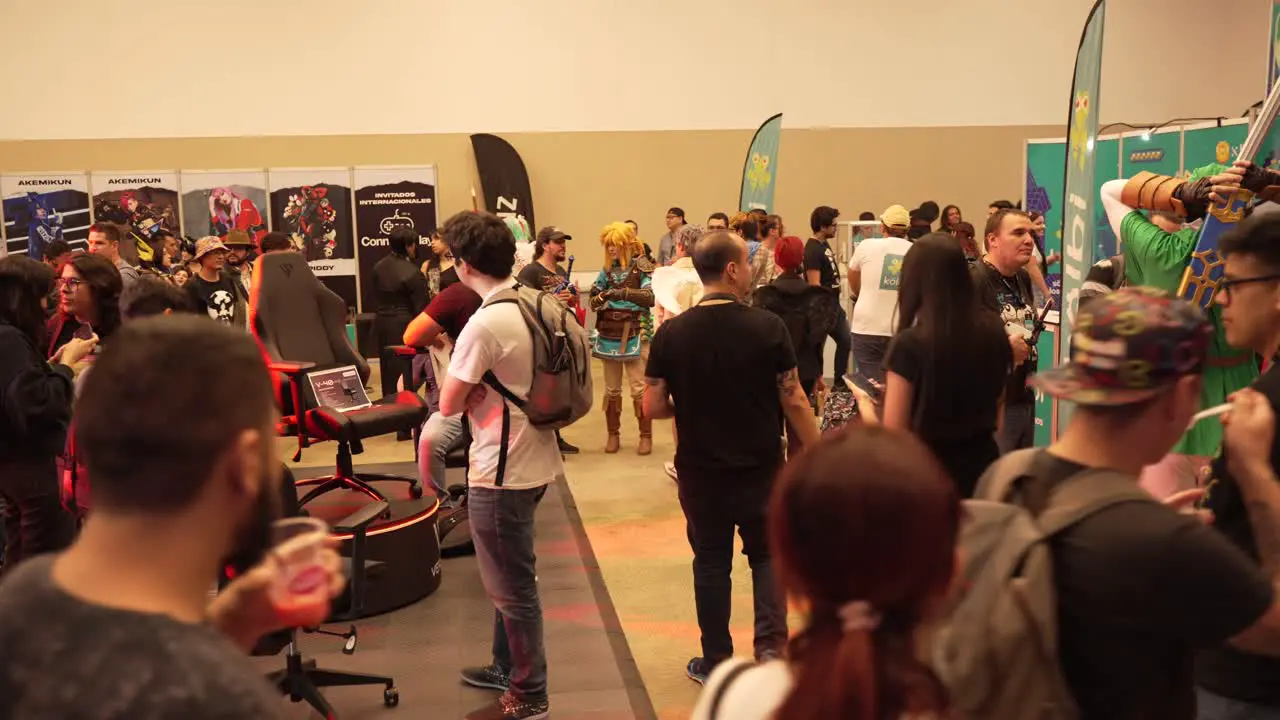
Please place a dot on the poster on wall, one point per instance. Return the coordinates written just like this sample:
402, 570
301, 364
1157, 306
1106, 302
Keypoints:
41, 208
386, 199
313, 206
1159, 152
1043, 194
215, 202
146, 202
1207, 144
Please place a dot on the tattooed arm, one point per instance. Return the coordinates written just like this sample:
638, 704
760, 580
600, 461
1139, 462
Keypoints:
796, 407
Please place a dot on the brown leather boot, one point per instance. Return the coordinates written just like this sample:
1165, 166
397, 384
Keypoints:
646, 429
613, 422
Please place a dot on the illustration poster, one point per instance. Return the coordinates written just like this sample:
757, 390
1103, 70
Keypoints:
41, 208
386, 199
216, 202
1045, 160
146, 202
314, 207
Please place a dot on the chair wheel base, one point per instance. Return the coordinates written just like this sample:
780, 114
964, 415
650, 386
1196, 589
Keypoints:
415, 491
391, 697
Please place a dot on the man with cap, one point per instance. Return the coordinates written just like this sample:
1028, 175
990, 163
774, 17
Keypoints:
1140, 587
875, 271
212, 288
241, 252
546, 273
667, 245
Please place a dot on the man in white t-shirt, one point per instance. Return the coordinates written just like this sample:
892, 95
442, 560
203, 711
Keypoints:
875, 272
512, 462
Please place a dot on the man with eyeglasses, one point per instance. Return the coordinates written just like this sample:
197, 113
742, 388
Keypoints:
1156, 251
1230, 682
667, 246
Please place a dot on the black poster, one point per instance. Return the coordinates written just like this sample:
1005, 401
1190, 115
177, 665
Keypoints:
314, 208
386, 199
503, 178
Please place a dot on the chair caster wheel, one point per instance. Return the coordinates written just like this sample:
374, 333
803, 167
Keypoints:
391, 697
415, 491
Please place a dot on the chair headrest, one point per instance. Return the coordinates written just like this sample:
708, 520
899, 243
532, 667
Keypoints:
296, 317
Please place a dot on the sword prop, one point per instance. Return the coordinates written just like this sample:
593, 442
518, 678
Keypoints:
564, 284
1203, 275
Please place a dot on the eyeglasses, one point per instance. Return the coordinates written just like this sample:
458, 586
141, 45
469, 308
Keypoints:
69, 283
1226, 284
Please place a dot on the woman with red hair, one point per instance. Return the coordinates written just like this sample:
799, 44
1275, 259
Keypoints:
862, 529
809, 312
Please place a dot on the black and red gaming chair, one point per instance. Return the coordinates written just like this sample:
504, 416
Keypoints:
301, 326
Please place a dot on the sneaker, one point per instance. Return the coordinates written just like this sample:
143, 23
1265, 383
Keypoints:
768, 655
670, 467
698, 669
508, 707
490, 677
566, 448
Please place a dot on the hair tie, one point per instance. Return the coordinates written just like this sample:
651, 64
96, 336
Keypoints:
858, 615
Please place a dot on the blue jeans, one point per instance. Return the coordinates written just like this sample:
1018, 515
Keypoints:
1019, 429
1216, 707
502, 528
440, 436
868, 355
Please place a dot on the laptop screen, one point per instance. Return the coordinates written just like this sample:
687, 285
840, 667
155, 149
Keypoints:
339, 388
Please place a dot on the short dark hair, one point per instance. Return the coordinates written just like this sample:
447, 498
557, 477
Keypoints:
1257, 236
713, 253
273, 241
1001, 205
760, 213
749, 228
56, 249
150, 451
401, 239
153, 296
674, 211
867, 215
482, 241
997, 219
718, 216
111, 230
23, 283
929, 211
822, 216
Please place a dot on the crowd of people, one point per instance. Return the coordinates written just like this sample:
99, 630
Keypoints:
1150, 611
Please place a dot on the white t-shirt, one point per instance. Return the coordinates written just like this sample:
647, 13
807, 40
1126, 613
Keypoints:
755, 694
496, 338
880, 261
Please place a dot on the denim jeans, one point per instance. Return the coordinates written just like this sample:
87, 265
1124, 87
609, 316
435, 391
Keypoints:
502, 528
440, 436
1019, 428
1216, 707
714, 503
868, 355
840, 333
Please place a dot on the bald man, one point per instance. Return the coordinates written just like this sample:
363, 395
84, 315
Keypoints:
728, 409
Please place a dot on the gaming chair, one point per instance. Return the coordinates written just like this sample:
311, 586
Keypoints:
301, 327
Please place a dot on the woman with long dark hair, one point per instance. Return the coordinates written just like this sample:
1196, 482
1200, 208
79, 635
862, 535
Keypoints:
90, 290
35, 410
947, 365
951, 217
863, 531
438, 267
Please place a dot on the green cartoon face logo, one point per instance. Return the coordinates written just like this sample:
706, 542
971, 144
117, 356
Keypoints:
759, 176
1080, 129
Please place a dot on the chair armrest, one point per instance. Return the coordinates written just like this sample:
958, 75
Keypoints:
360, 519
289, 367
407, 350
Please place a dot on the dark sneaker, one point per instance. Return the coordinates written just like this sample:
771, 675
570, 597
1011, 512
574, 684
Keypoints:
698, 670
490, 677
566, 448
509, 708
768, 655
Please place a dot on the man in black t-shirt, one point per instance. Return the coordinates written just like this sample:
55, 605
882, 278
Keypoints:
1004, 287
820, 270
213, 289
1141, 587
730, 373
1228, 678
546, 273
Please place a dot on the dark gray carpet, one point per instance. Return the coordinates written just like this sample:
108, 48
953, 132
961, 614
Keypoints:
592, 673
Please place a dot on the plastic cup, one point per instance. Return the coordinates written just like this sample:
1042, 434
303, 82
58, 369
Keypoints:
296, 546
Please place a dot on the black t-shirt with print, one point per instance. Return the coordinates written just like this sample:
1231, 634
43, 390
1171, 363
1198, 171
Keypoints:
535, 275
818, 256
1225, 670
220, 298
1012, 299
721, 364
1140, 589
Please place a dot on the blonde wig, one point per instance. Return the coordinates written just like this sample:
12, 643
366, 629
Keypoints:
621, 236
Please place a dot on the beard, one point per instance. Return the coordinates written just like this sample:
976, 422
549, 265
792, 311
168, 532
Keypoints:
253, 539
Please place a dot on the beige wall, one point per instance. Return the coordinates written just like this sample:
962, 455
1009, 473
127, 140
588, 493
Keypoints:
584, 180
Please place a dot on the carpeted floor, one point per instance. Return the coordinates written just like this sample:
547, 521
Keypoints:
632, 521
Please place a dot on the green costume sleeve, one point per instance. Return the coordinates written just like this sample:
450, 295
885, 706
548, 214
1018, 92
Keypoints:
1153, 257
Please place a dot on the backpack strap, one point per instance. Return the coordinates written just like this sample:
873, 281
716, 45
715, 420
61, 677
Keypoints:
998, 482
1084, 494
714, 711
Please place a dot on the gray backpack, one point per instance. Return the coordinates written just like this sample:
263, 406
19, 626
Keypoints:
561, 392
997, 652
